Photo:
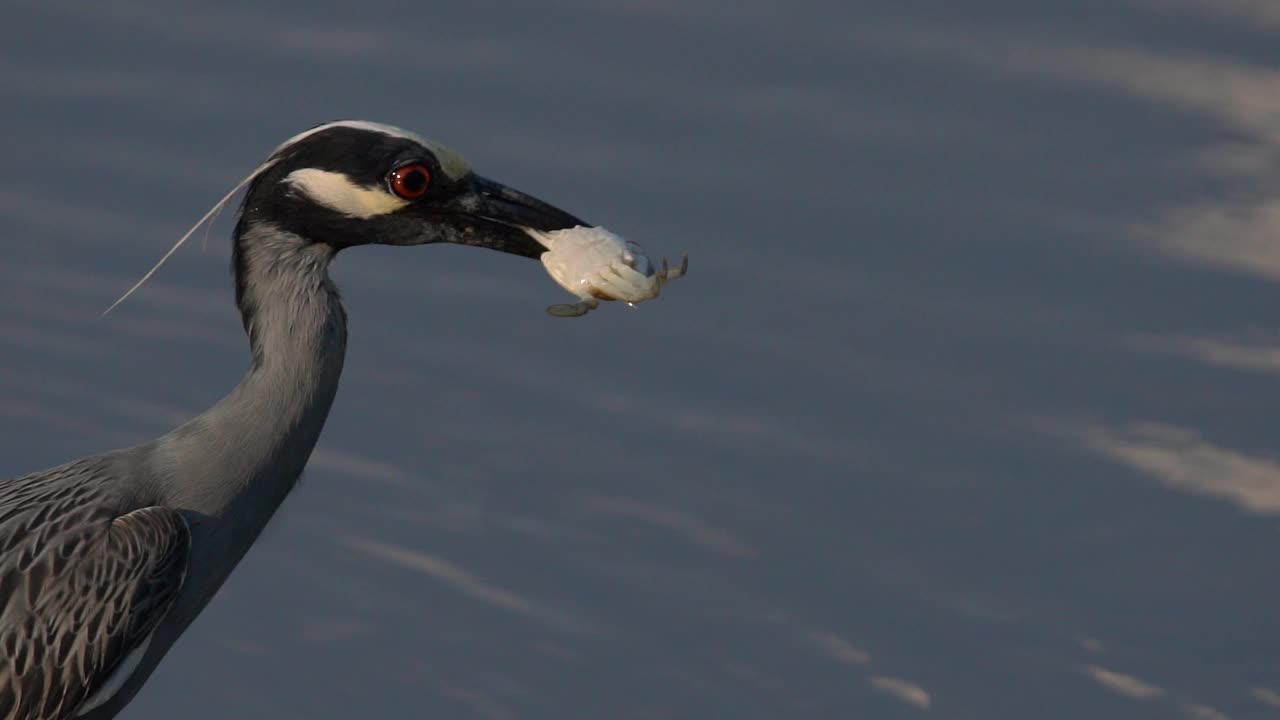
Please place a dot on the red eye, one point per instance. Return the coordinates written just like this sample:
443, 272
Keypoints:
410, 181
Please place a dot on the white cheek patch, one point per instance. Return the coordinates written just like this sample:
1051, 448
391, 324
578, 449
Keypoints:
336, 192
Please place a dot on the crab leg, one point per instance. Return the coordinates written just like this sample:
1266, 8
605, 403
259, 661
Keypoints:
577, 309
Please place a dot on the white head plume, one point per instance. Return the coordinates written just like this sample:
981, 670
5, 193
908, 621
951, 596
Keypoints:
213, 211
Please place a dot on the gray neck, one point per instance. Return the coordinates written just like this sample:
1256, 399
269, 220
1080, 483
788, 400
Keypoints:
233, 465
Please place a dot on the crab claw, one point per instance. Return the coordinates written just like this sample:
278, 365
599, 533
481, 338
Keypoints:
678, 272
667, 273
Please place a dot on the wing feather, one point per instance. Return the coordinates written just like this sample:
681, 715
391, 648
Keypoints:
83, 583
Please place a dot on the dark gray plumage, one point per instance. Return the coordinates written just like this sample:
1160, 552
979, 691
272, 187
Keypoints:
84, 581
106, 560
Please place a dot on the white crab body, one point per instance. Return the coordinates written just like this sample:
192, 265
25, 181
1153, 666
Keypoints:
595, 264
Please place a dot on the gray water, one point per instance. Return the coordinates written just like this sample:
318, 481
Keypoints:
967, 407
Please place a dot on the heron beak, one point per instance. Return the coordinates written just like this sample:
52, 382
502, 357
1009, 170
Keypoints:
490, 214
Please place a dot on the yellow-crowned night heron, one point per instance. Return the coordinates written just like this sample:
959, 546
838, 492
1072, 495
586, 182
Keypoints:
104, 561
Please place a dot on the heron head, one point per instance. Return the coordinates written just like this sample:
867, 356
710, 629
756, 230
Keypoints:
357, 183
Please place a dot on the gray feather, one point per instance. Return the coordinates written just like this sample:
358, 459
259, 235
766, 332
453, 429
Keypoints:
84, 581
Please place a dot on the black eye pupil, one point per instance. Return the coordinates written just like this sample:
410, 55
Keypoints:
414, 180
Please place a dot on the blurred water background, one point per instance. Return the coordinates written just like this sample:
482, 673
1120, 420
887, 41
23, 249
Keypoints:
967, 407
